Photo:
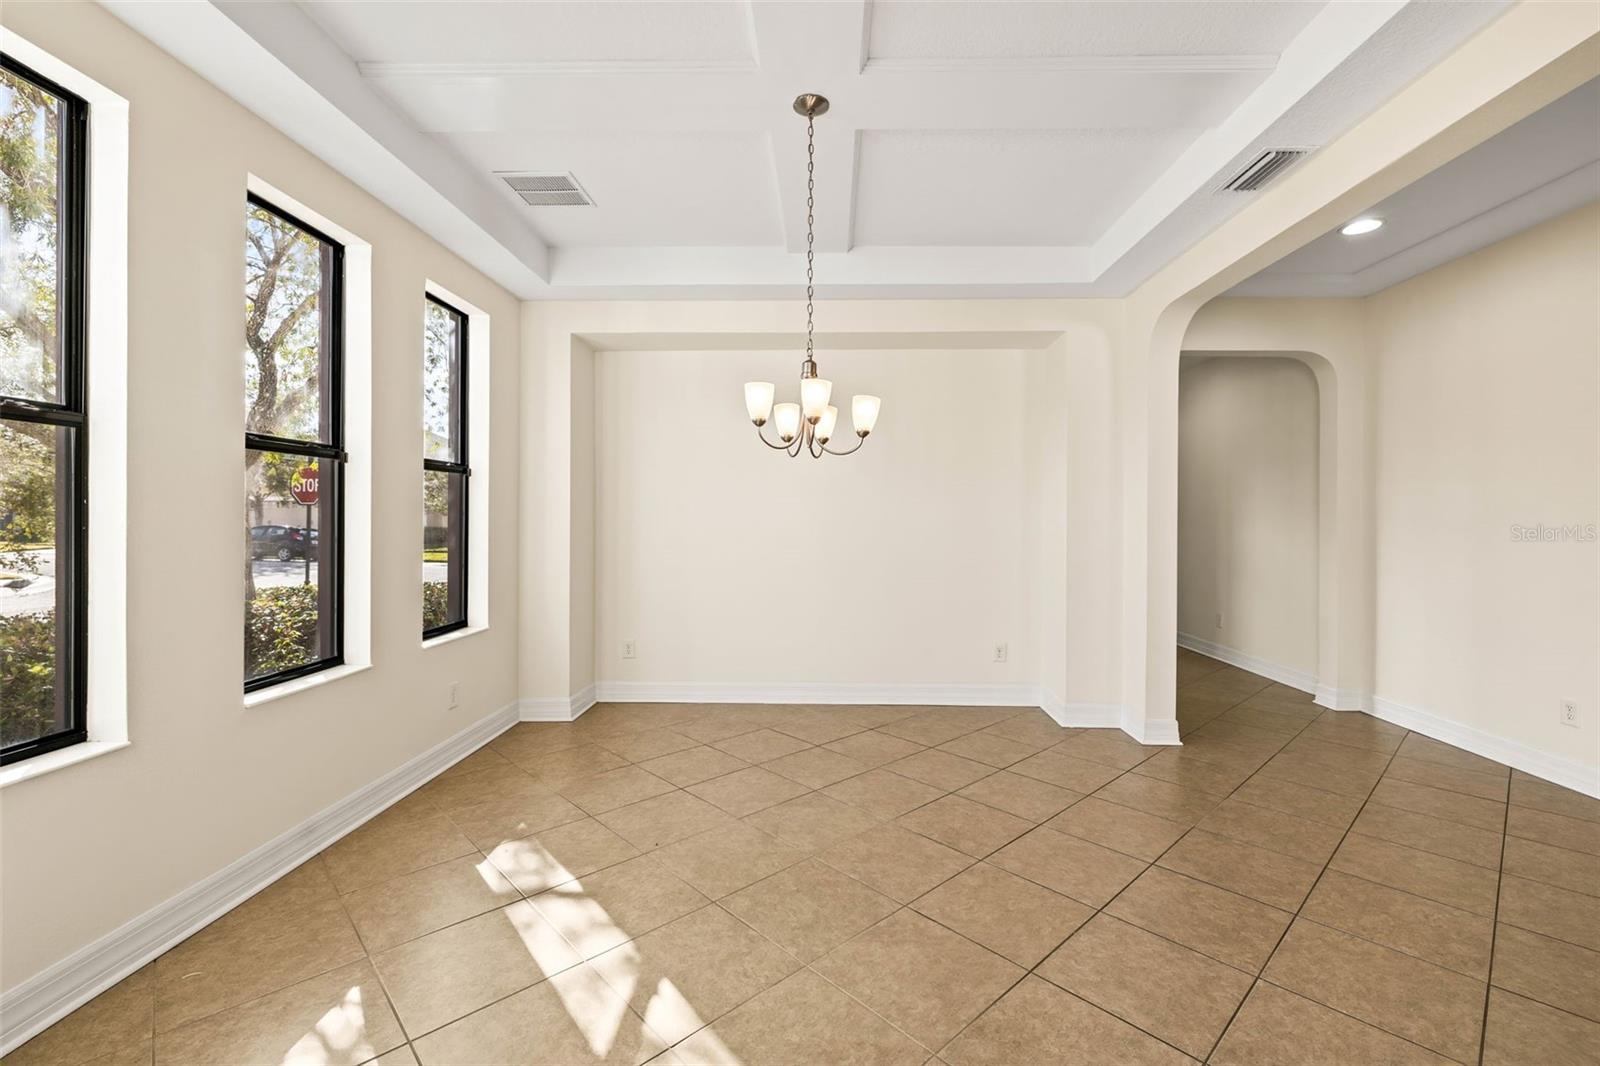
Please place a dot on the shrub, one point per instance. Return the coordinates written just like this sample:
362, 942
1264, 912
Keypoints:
435, 603
27, 676
280, 629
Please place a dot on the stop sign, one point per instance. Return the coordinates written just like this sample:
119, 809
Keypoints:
303, 486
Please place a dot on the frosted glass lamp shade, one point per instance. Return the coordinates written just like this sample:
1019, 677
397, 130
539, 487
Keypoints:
864, 413
786, 417
814, 394
758, 400
825, 424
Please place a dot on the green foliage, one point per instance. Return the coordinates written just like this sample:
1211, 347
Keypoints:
435, 604
280, 629
27, 676
27, 494
29, 147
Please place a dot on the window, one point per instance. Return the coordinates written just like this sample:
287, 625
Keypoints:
294, 448
444, 468
43, 424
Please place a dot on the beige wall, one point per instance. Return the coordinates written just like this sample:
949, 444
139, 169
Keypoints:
1247, 508
205, 781
1488, 402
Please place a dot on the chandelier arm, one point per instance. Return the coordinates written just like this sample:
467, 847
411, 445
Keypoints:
801, 441
761, 433
848, 451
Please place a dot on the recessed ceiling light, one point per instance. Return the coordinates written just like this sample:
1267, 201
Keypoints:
1360, 226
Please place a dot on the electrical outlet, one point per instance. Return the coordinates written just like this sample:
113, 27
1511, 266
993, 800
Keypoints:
630, 650
1569, 713
455, 693
1219, 619
1000, 653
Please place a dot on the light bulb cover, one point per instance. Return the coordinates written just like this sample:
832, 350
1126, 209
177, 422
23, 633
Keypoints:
864, 413
786, 419
814, 396
825, 424
758, 400
1359, 226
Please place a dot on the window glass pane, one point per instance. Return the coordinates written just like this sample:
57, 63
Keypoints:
289, 317
290, 560
36, 530
444, 585
31, 130
441, 382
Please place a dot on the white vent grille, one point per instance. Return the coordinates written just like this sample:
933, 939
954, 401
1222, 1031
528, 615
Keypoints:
548, 190
1264, 168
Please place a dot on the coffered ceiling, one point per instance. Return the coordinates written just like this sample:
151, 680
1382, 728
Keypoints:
986, 149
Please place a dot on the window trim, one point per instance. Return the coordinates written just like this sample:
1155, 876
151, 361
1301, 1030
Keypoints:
460, 400
72, 410
332, 450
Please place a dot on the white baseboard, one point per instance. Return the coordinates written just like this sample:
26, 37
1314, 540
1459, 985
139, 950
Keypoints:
996, 695
556, 708
1283, 675
1081, 715
1569, 773
50, 995
1342, 699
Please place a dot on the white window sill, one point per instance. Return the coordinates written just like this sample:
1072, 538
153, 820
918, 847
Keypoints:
301, 684
453, 635
55, 760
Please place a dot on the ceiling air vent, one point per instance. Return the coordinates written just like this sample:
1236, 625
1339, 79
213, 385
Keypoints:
548, 190
1264, 168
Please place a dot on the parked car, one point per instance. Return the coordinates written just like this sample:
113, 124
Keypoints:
282, 542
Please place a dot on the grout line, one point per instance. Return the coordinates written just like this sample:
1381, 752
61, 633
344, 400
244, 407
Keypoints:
1494, 930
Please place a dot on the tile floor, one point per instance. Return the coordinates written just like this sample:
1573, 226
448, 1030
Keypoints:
833, 885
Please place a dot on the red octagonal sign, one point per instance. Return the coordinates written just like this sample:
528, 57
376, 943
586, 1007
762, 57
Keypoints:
303, 486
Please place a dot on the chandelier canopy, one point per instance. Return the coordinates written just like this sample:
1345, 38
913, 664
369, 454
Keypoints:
807, 426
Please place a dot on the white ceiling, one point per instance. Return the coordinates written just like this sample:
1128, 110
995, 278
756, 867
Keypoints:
1541, 167
973, 148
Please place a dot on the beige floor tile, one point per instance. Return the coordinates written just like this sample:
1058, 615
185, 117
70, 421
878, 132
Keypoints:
895, 861
1182, 768
388, 847
809, 908
1464, 843
1551, 971
573, 1018
527, 740
1426, 1004
485, 758
693, 765
557, 855
1176, 803
1528, 791
1519, 1031
1490, 786
1455, 939
400, 1056
1267, 719
1112, 747
117, 1023
414, 904
1231, 928
450, 794
802, 1019
443, 976
1329, 808
1010, 916
820, 725
1036, 1022
1417, 746
1441, 803
1356, 730
989, 749
874, 748
1277, 880
1111, 825
1031, 727
1456, 884
882, 793
940, 769
638, 747
692, 971
1570, 916
929, 728
340, 1016
1557, 830
1170, 992
747, 791
615, 788
812, 821
1264, 827
1575, 871
816, 767
965, 825
598, 912
724, 723
1299, 769
557, 769
1063, 771
512, 817
728, 858
926, 980
761, 745
1086, 872
1025, 797
1275, 1027
663, 819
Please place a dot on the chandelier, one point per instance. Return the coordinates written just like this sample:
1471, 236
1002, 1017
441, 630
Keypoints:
807, 426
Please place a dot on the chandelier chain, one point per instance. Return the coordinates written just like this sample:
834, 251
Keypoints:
811, 235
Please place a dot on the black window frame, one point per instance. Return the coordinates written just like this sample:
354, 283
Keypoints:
70, 412
460, 405
330, 454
